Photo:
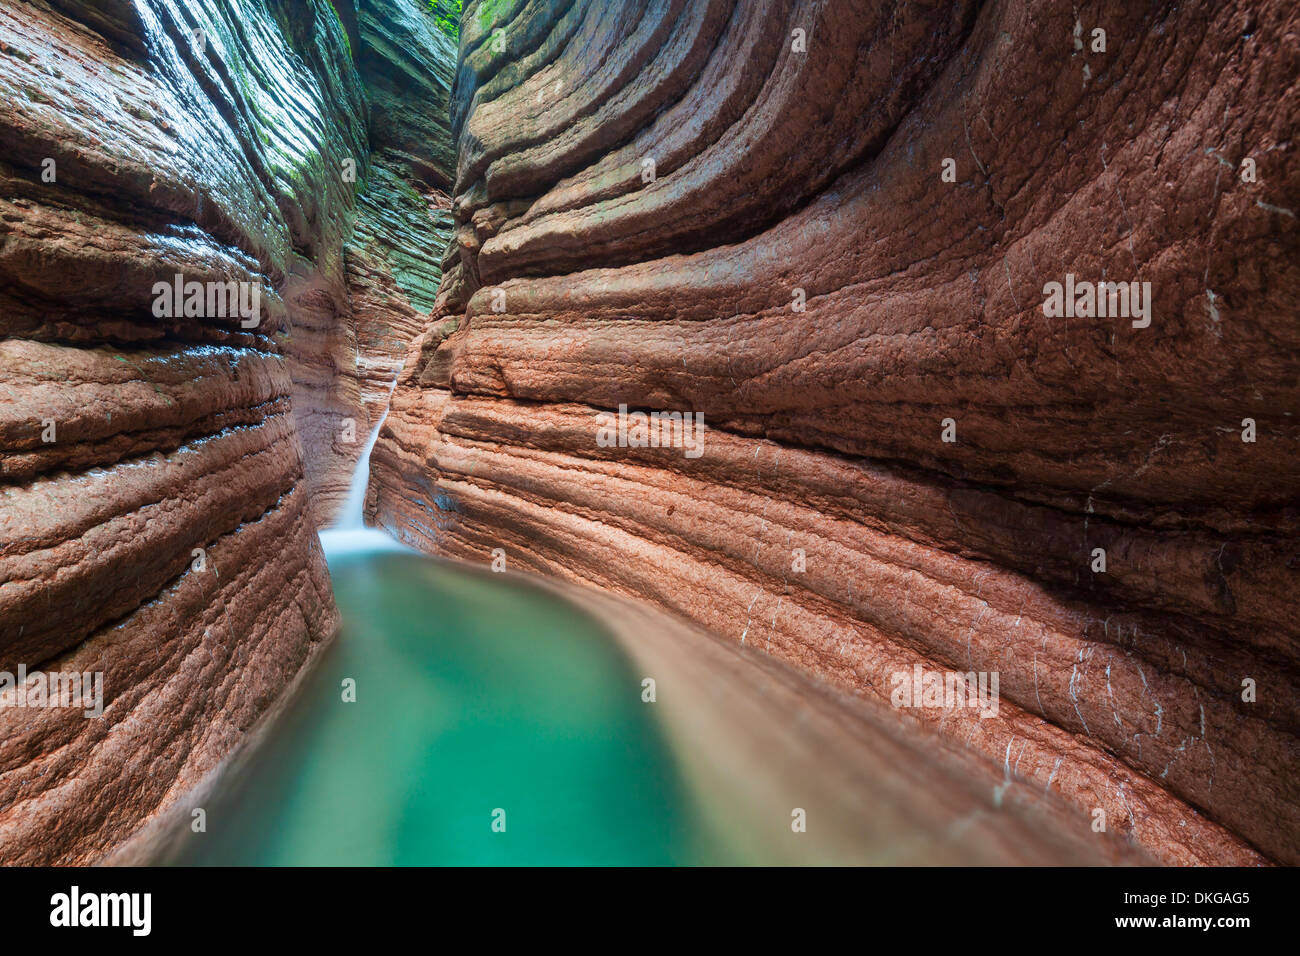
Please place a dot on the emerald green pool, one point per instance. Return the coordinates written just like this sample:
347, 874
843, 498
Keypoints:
479, 700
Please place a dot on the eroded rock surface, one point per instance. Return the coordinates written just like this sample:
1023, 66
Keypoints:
733, 208
673, 207
157, 510
404, 211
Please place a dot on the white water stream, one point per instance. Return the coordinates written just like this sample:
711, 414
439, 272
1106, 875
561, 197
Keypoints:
349, 532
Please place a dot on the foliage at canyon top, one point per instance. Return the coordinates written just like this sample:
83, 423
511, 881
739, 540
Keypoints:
446, 13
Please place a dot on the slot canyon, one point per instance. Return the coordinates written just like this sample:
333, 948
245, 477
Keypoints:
717, 329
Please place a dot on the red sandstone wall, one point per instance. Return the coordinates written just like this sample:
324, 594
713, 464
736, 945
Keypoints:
163, 533
579, 282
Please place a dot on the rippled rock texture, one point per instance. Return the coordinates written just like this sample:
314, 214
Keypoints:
394, 257
157, 517
740, 209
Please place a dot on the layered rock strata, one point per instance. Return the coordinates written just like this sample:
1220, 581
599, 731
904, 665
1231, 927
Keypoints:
829, 228
404, 217
161, 472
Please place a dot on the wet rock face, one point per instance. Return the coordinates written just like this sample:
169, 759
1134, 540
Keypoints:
157, 517
394, 256
830, 228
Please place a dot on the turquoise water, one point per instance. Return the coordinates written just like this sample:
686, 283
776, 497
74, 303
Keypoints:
480, 701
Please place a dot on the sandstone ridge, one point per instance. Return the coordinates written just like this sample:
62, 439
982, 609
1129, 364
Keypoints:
739, 209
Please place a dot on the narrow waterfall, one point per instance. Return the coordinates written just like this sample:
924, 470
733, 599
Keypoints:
352, 515
349, 534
